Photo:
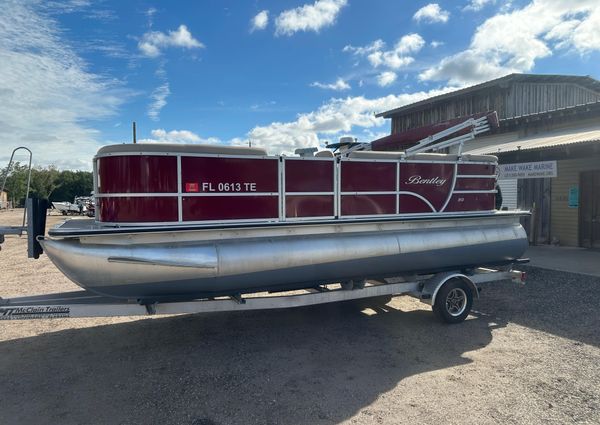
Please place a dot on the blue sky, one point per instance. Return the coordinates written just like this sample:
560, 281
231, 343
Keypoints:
282, 74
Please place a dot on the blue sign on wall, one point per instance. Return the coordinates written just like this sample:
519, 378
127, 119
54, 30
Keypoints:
574, 197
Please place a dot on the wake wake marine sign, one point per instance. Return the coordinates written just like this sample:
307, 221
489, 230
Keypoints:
527, 170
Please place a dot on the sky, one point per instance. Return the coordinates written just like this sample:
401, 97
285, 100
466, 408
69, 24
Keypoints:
281, 74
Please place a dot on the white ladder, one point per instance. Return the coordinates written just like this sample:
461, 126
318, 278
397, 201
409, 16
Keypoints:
478, 126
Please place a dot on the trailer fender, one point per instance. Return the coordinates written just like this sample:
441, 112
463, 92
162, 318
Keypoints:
432, 286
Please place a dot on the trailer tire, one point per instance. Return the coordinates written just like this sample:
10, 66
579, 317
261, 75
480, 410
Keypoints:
453, 301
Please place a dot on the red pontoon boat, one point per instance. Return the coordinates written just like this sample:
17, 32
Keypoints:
193, 221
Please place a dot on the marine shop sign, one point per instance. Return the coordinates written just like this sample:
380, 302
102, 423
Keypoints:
527, 170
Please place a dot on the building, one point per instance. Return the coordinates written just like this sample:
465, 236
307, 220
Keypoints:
547, 143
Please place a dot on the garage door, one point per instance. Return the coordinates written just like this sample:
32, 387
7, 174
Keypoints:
509, 193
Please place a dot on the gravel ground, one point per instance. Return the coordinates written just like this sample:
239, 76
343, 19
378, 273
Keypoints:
527, 355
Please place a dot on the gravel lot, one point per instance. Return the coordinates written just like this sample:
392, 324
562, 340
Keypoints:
527, 355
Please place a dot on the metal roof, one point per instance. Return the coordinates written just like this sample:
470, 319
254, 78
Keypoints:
540, 141
585, 81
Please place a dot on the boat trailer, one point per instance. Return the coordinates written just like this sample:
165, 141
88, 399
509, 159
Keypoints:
450, 294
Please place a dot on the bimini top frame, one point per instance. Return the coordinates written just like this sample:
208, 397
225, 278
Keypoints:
435, 142
478, 126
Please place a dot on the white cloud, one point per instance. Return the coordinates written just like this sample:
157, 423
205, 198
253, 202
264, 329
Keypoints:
513, 41
339, 85
435, 44
465, 68
47, 94
65, 6
178, 136
153, 42
395, 58
561, 32
260, 21
410, 43
581, 34
159, 100
365, 50
386, 78
309, 17
336, 117
431, 13
150, 12
477, 5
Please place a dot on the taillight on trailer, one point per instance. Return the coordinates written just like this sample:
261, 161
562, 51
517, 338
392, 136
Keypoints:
519, 277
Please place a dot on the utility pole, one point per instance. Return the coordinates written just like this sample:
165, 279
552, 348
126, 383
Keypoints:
134, 136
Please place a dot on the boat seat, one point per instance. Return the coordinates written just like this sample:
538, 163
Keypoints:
433, 157
480, 158
377, 155
324, 154
180, 148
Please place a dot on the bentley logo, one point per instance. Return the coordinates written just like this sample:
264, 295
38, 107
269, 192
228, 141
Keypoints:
435, 181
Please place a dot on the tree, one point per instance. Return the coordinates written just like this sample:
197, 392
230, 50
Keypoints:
46, 182
16, 182
72, 184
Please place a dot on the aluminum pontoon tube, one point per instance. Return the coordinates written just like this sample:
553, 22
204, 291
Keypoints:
211, 267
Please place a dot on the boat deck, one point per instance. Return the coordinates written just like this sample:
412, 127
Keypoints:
89, 227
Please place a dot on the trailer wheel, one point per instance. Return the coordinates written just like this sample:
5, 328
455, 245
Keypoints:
453, 301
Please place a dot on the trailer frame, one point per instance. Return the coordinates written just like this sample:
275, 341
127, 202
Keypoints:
79, 304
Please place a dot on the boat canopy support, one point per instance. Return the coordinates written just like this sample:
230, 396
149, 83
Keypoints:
467, 130
433, 142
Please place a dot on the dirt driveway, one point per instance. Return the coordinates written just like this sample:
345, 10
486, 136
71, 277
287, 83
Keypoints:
528, 355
